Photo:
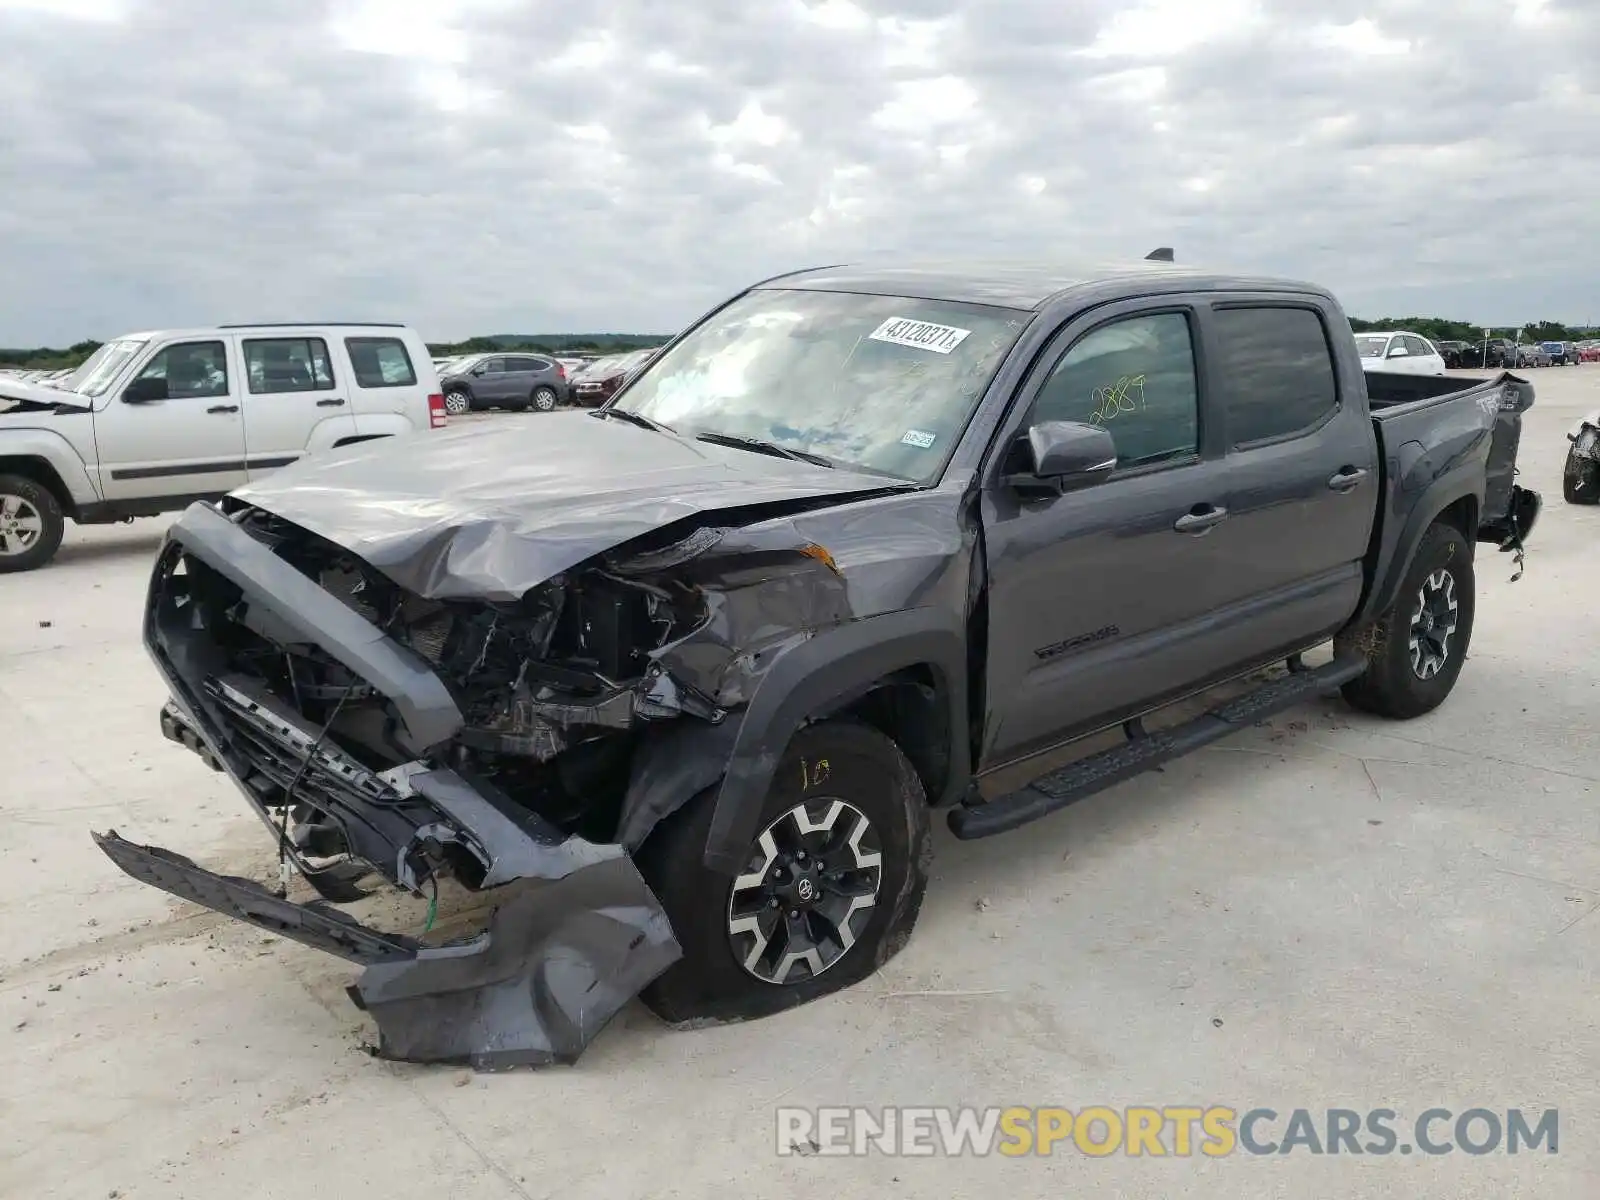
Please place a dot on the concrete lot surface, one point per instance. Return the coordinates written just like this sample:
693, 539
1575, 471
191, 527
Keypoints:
1332, 911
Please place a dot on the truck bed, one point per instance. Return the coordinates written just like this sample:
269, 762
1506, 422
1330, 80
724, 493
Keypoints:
1431, 428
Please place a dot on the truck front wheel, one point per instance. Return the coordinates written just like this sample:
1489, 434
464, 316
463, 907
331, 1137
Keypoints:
31, 524
828, 893
1415, 650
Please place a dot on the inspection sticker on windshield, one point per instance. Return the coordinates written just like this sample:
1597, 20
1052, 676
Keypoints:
919, 335
920, 438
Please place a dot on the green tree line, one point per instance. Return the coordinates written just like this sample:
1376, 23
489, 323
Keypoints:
1438, 329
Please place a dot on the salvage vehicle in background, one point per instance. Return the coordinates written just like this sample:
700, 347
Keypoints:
1589, 352
1558, 353
1399, 353
151, 422
679, 682
1580, 474
1459, 355
602, 378
512, 381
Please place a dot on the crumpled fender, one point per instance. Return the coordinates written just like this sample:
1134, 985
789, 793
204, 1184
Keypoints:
824, 673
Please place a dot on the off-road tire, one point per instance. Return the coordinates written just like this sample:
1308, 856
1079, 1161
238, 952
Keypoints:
54, 524
1391, 686
710, 983
1580, 478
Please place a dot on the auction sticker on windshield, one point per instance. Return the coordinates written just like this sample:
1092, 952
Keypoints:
919, 335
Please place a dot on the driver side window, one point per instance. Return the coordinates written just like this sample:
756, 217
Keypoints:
193, 370
1134, 378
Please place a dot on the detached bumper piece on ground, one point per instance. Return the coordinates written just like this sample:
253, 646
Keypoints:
560, 957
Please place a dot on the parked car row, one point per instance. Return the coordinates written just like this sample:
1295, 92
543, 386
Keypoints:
541, 382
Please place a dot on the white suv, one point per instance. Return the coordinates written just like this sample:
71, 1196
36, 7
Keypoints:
154, 421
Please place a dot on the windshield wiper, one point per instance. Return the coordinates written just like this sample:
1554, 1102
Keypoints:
762, 446
633, 418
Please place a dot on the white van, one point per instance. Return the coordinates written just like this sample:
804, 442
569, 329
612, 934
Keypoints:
154, 421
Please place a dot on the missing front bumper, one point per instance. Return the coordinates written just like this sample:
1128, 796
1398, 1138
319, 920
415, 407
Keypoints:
558, 960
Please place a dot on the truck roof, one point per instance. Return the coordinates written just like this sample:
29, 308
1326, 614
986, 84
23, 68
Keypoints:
1022, 286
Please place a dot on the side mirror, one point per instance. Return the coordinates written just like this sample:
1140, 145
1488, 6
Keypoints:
143, 391
1063, 456
480, 369
1399, 352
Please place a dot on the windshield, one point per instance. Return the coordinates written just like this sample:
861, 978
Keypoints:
102, 367
879, 383
1371, 347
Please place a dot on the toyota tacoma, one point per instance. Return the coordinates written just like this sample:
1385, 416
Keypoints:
679, 682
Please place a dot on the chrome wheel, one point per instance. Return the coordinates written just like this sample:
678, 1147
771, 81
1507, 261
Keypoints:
1432, 623
21, 525
457, 403
807, 892
544, 399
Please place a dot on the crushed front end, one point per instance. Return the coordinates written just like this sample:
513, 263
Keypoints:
387, 739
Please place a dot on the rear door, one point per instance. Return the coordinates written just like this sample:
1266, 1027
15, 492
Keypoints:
1302, 470
522, 375
293, 399
190, 444
1426, 360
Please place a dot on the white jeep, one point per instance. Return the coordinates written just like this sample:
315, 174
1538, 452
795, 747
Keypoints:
154, 421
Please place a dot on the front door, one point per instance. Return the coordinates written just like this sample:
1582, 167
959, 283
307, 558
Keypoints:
189, 444
1099, 599
489, 385
292, 400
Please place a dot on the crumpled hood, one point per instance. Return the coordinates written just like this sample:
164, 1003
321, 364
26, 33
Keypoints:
489, 511
17, 396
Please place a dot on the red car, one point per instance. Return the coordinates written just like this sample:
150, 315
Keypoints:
600, 381
1589, 354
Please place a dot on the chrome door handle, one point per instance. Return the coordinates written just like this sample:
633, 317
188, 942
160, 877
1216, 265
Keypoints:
1200, 519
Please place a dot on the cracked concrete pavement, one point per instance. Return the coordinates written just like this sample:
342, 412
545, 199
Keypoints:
1330, 911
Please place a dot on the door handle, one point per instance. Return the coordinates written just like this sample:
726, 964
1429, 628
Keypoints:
223, 408
1347, 479
331, 402
1200, 519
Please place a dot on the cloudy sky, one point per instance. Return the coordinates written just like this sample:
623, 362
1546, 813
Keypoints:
474, 166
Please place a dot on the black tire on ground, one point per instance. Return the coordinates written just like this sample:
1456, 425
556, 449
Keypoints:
840, 761
1435, 609
1580, 479
543, 399
457, 402
29, 503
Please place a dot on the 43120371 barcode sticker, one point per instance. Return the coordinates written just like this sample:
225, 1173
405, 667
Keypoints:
919, 335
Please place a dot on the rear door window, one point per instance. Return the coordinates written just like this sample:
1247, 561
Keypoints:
1274, 367
380, 362
287, 365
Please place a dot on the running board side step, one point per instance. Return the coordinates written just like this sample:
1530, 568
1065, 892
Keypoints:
1143, 752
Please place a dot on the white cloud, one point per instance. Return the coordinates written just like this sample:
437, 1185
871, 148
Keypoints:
488, 165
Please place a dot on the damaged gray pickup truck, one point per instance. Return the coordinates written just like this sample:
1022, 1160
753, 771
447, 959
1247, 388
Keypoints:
678, 681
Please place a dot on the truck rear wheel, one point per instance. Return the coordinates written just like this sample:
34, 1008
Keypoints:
31, 524
1580, 478
828, 893
1415, 650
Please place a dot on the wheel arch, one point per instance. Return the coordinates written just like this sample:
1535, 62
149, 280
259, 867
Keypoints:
1449, 501
38, 469
868, 669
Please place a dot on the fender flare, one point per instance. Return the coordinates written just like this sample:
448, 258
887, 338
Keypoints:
50, 448
823, 674
1438, 496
